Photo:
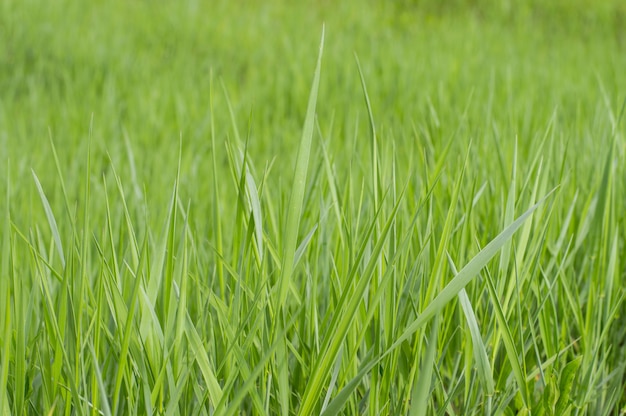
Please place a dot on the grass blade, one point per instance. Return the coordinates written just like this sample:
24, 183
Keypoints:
299, 184
51, 220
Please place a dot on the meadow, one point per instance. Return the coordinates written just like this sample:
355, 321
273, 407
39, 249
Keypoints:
385, 208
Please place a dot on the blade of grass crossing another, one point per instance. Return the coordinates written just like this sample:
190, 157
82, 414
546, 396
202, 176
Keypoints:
201, 357
299, 183
509, 214
480, 352
465, 276
509, 343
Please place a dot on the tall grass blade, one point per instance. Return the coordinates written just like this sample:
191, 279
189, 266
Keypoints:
296, 199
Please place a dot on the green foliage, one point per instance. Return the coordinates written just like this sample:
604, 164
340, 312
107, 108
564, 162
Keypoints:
201, 216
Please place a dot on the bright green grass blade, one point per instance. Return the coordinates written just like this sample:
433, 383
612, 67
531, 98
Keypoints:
282, 375
51, 220
5, 348
296, 199
181, 302
568, 375
465, 276
170, 255
6, 260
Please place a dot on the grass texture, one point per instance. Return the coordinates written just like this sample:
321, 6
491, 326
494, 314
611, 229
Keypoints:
403, 208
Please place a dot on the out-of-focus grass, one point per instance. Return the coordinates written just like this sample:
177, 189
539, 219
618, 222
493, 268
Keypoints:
143, 261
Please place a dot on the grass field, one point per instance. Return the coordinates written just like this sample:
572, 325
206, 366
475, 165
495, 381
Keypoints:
318, 207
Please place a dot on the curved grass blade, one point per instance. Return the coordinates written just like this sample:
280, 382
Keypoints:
50, 215
480, 352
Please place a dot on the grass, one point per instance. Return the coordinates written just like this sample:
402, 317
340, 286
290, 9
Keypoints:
439, 231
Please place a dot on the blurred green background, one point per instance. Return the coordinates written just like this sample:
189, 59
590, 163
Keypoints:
434, 69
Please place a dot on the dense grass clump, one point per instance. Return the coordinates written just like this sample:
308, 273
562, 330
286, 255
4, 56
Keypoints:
208, 210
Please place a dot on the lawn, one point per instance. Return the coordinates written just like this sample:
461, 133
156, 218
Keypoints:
377, 207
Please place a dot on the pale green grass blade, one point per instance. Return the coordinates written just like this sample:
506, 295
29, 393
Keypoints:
215, 194
509, 215
480, 352
133, 246
51, 220
509, 343
421, 392
333, 381
374, 139
104, 405
440, 258
303, 245
340, 400
331, 180
294, 211
180, 304
61, 181
255, 206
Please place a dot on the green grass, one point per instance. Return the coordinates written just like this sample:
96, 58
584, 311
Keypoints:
217, 208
